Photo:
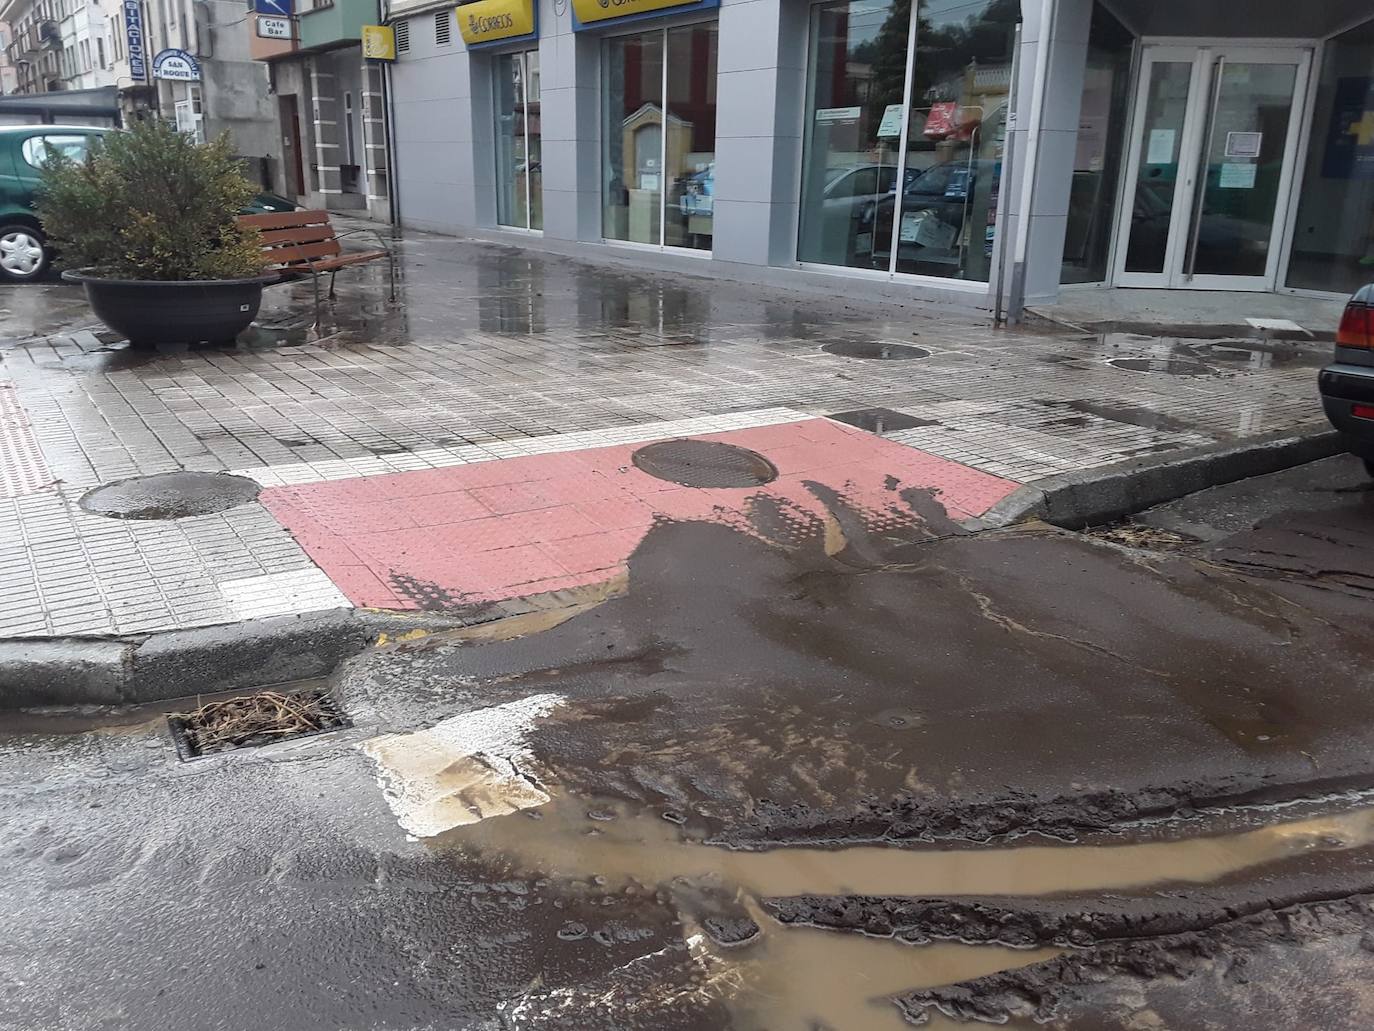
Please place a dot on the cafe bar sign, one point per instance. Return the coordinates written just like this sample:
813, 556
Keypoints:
488, 23
595, 14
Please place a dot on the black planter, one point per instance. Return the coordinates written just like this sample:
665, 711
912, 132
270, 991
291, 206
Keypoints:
152, 312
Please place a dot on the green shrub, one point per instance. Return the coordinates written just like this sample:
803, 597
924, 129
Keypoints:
151, 203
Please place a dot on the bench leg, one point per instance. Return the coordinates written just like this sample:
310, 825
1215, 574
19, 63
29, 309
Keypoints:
391, 272
315, 282
331, 284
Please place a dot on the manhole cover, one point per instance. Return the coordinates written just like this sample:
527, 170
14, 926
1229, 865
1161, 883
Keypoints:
170, 495
256, 719
882, 420
705, 463
1165, 366
875, 349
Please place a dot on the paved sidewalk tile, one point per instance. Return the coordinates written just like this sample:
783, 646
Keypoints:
495, 378
536, 524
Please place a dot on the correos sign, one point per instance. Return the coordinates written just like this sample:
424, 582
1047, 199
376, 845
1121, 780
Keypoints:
176, 65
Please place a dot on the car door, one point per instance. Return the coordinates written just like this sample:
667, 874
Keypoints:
14, 193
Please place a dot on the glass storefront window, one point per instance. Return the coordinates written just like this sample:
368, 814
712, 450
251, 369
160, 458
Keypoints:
1097, 160
1333, 238
519, 188
945, 144
660, 169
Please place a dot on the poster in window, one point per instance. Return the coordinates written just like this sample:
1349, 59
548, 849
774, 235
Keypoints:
1349, 150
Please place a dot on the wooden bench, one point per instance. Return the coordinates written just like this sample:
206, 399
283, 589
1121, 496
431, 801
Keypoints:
303, 243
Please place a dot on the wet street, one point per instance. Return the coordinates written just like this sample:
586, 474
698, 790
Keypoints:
803, 773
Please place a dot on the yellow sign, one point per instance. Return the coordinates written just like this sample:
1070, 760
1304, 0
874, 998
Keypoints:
379, 42
599, 10
490, 21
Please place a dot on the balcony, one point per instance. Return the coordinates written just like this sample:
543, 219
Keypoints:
50, 35
339, 24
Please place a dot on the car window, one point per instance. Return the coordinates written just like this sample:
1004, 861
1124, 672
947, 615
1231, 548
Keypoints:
932, 180
35, 148
887, 179
860, 184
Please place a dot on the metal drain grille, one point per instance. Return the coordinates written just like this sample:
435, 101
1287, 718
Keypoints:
248, 721
170, 495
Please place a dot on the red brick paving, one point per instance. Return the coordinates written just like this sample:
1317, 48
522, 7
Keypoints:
528, 525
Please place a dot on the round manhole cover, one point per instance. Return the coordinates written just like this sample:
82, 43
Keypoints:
705, 463
1164, 366
875, 349
170, 495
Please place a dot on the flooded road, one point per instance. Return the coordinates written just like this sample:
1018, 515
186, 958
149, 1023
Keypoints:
844, 780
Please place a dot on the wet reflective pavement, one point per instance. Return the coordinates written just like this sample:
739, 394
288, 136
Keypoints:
758, 785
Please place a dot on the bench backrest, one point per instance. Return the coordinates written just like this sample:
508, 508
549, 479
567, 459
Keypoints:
294, 237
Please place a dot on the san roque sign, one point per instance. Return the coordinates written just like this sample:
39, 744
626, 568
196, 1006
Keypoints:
176, 66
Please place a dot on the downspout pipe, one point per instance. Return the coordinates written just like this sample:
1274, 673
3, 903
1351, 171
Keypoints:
1035, 120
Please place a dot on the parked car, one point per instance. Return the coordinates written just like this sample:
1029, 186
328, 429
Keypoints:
1347, 384
945, 191
24, 251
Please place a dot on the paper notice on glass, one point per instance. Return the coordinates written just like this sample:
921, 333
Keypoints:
837, 114
1243, 144
891, 125
1235, 176
1161, 149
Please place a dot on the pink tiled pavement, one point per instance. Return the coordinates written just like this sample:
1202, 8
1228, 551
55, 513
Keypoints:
504, 529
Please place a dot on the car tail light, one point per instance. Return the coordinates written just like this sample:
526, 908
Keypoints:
1357, 326
1362, 411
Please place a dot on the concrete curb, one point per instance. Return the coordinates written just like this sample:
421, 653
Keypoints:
1105, 493
203, 660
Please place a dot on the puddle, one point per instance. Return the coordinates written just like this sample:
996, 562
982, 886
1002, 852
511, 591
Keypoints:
1256, 354
772, 977
560, 840
1131, 415
1163, 366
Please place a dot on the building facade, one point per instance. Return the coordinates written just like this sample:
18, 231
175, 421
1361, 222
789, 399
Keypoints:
329, 106
972, 150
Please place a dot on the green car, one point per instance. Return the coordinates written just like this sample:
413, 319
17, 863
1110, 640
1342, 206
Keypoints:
24, 252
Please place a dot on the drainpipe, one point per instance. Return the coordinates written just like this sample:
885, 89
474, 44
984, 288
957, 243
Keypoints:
1035, 120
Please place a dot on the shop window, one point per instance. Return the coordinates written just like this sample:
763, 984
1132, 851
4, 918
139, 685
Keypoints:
944, 144
519, 175
1333, 237
1101, 142
660, 157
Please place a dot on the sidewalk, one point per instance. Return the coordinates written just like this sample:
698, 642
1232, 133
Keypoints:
475, 443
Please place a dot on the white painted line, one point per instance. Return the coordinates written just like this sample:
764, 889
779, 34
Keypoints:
463, 769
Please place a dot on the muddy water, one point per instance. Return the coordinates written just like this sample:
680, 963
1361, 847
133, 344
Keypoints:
799, 978
575, 840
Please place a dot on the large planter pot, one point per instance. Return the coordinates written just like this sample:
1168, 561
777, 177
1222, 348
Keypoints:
151, 312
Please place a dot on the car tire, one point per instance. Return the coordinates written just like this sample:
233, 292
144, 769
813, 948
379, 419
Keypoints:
24, 253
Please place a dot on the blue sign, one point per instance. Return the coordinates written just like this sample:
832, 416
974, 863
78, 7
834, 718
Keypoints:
133, 34
176, 65
280, 8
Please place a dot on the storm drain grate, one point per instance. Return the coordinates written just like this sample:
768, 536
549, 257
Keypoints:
882, 420
875, 350
252, 720
705, 463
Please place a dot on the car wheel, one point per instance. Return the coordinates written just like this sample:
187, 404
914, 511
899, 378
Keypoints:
23, 253
1368, 465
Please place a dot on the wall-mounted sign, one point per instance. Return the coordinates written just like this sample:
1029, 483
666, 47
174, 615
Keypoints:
488, 22
280, 8
270, 27
596, 13
379, 43
893, 117
133, 35
176, 66
1244, 144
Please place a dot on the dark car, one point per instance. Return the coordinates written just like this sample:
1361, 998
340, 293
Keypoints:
945, 191
1347, 385
24, 251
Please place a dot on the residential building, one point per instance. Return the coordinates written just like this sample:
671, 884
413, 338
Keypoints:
979, 151
330, 112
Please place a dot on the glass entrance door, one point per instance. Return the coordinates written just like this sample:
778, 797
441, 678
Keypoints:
1210, 167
